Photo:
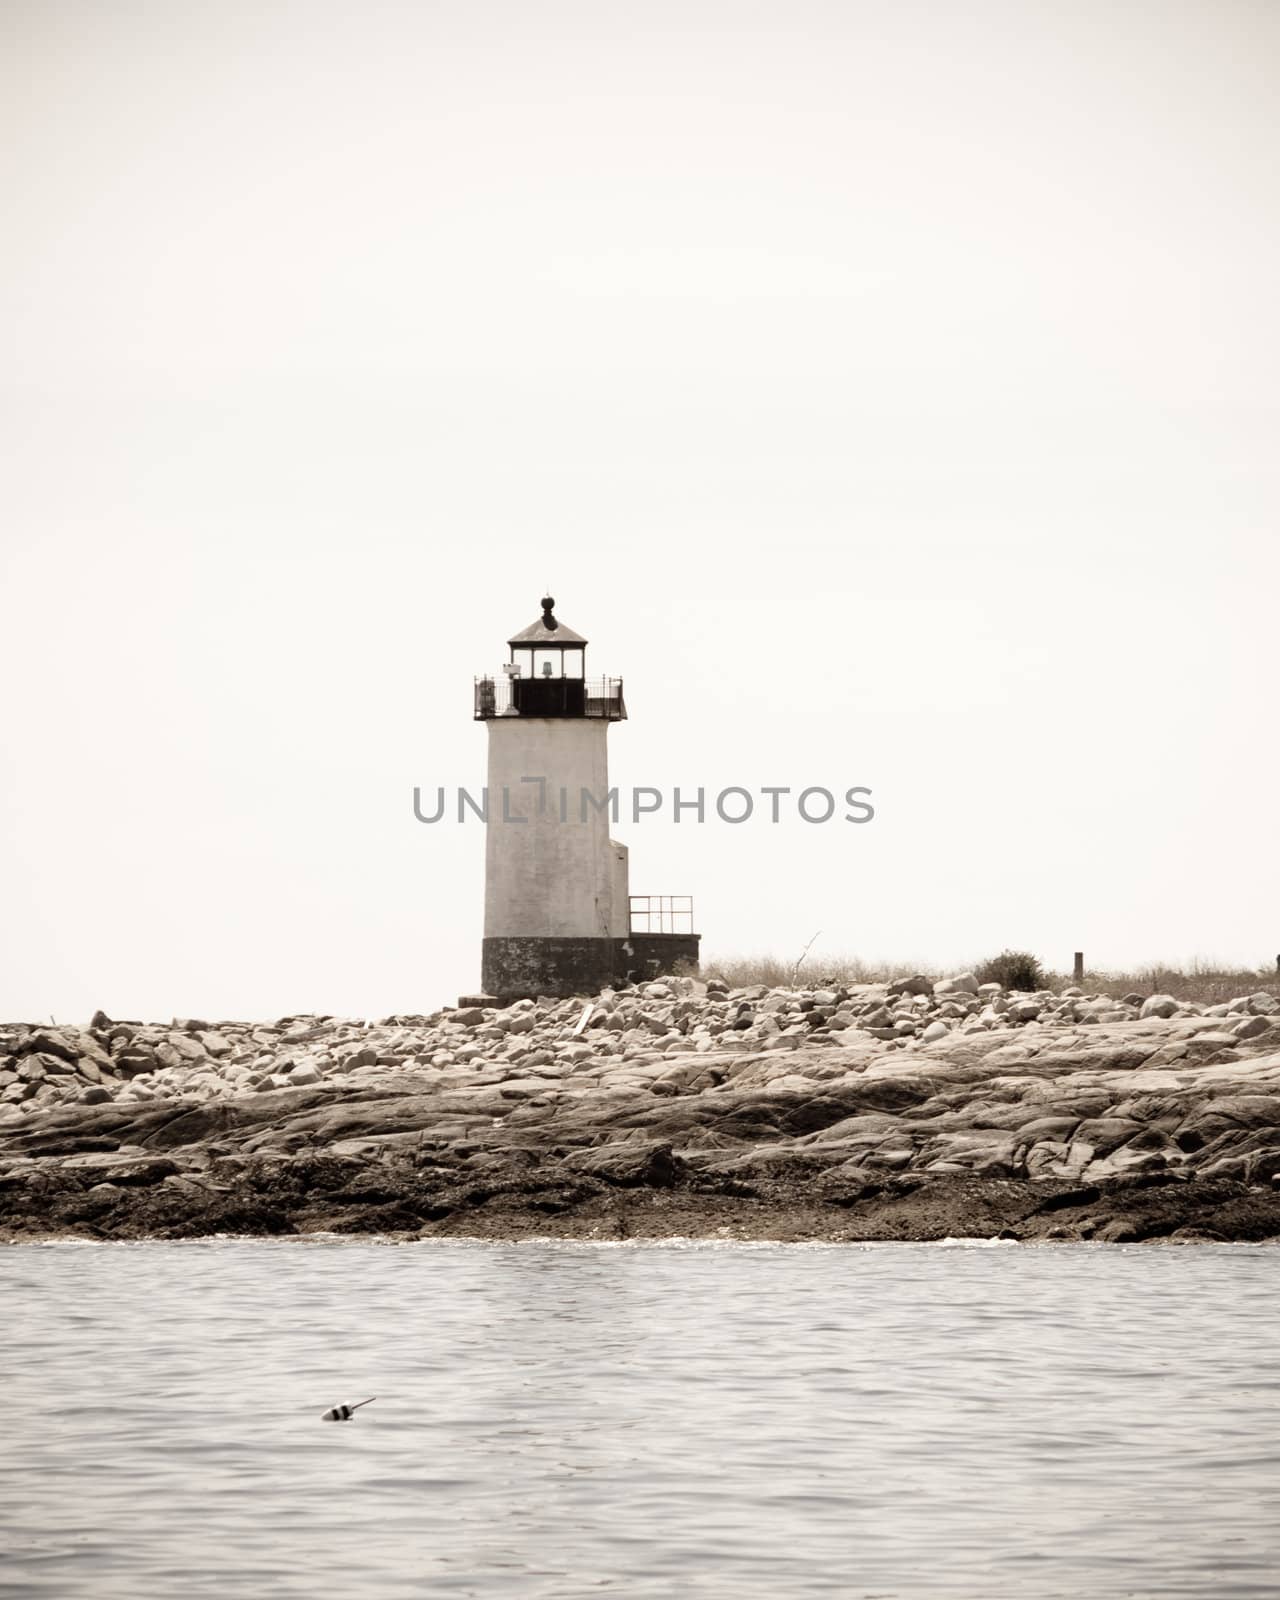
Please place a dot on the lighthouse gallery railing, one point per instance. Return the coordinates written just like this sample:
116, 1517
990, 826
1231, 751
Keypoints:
548, 697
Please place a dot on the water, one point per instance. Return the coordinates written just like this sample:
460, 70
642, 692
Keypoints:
642, 1420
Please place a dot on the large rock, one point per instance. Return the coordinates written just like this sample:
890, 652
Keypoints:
965, 983
629, 1165
133, 1061
51, 1044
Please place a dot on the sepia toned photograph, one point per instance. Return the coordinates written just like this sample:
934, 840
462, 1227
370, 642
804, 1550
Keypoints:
638, 800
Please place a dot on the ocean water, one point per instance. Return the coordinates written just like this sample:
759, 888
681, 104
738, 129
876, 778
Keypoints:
645, 1420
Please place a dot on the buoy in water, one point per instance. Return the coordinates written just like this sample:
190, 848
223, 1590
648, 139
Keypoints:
343, 1413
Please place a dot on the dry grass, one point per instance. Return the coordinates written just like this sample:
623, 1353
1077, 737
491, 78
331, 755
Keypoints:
1202, 982
741, 971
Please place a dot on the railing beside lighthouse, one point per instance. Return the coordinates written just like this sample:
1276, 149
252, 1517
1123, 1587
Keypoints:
661, 913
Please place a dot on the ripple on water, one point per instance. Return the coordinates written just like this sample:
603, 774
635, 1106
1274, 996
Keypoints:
687, 1418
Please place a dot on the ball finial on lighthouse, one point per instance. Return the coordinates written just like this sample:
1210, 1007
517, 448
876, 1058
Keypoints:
548, 621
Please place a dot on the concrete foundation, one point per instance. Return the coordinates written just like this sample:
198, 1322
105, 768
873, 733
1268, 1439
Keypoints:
650, 955
514, 968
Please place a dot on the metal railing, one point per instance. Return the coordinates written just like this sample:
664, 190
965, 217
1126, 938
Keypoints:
548, 697
661, 913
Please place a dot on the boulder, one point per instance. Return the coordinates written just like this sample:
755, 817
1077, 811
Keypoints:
54, 1066
628, 1165
1159, 1005
964, 983
516, 1022
51, 1044
133, 1061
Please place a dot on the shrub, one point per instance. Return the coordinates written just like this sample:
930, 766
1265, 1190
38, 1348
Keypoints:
1012, 969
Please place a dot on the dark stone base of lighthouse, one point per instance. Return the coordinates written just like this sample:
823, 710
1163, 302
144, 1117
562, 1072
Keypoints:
518, 968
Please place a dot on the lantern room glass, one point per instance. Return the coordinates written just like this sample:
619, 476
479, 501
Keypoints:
549, 661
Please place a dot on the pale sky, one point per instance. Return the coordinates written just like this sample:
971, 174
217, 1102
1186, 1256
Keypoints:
887, 391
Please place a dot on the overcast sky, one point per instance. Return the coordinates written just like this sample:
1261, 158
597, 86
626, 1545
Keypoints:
887, 391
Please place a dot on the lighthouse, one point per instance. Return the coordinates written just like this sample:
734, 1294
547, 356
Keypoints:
559, 917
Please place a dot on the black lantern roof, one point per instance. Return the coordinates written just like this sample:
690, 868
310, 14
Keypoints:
547, 630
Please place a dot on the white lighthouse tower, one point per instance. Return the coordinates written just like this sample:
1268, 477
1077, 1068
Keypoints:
557, 907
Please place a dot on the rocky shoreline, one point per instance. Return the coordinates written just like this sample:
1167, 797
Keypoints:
908, 1111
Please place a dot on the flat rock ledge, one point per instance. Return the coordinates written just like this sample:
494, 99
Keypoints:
909, 1111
